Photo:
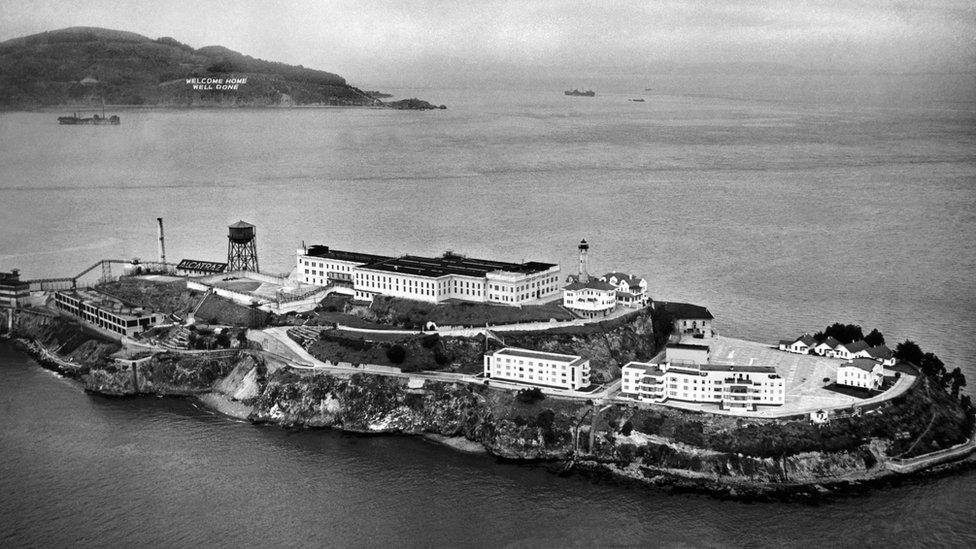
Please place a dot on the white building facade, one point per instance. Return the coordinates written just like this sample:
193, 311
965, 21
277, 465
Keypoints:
590, 299
529, 367
433, 280
864, 373
682, 372
631, 290
800, 345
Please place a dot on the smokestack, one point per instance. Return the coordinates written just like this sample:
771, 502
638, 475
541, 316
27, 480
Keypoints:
162, 242
583, 248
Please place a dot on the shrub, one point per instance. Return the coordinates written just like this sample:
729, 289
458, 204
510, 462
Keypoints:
530, 396
429, 341
545, 419
441, 358
626, 452
396, 354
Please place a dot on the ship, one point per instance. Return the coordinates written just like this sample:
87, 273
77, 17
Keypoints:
578, 93
94, 120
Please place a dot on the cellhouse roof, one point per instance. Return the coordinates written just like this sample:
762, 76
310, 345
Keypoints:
453, 264
326, 252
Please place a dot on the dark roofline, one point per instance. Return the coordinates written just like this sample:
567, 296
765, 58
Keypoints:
452, 264
686, 310
687, 346
325, 252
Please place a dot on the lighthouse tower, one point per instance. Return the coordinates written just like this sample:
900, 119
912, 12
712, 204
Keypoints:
583, 249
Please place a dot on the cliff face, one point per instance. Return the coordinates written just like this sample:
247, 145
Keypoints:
606, 344
661, 446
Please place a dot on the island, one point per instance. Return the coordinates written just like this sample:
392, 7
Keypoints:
88, 67
585, 373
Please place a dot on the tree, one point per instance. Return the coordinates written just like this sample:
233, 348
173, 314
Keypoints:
627, 429
845, 333
932, 366
396, 354
441, 358
958, 381
875, 338
909, 351
222, 340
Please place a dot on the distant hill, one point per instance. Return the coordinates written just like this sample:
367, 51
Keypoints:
86, 65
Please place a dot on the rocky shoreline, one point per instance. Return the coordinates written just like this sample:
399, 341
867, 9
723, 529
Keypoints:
562, 436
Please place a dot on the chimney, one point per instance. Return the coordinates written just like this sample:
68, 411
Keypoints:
162, 242
583, 248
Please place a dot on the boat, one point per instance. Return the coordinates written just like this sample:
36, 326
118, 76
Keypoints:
638, 100
94, 120
587, 93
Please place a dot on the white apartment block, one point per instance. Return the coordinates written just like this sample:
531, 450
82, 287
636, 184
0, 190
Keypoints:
683, 372
537, 368
433, 280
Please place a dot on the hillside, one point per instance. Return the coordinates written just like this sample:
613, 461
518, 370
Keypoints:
86, 65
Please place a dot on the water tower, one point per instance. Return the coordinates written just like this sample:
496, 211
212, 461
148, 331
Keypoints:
242, 250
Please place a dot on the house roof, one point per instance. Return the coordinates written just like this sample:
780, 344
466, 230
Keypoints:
806, 339
787, 341
685, 310
630, 279
856, 346
592, 284
866, 364
830, 342
881, 352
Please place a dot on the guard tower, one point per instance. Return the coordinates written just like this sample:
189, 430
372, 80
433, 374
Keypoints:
583, 249
242, 250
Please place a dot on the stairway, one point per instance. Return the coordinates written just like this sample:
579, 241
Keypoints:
178, 339
304, 335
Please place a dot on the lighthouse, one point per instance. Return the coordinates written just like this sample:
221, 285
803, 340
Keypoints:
583, 248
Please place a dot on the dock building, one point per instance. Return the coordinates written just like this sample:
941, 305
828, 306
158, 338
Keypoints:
107, 312
430, 279
683, 372
688, 319
14, 292
538, 368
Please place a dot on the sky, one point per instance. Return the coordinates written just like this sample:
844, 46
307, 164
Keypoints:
468, 41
